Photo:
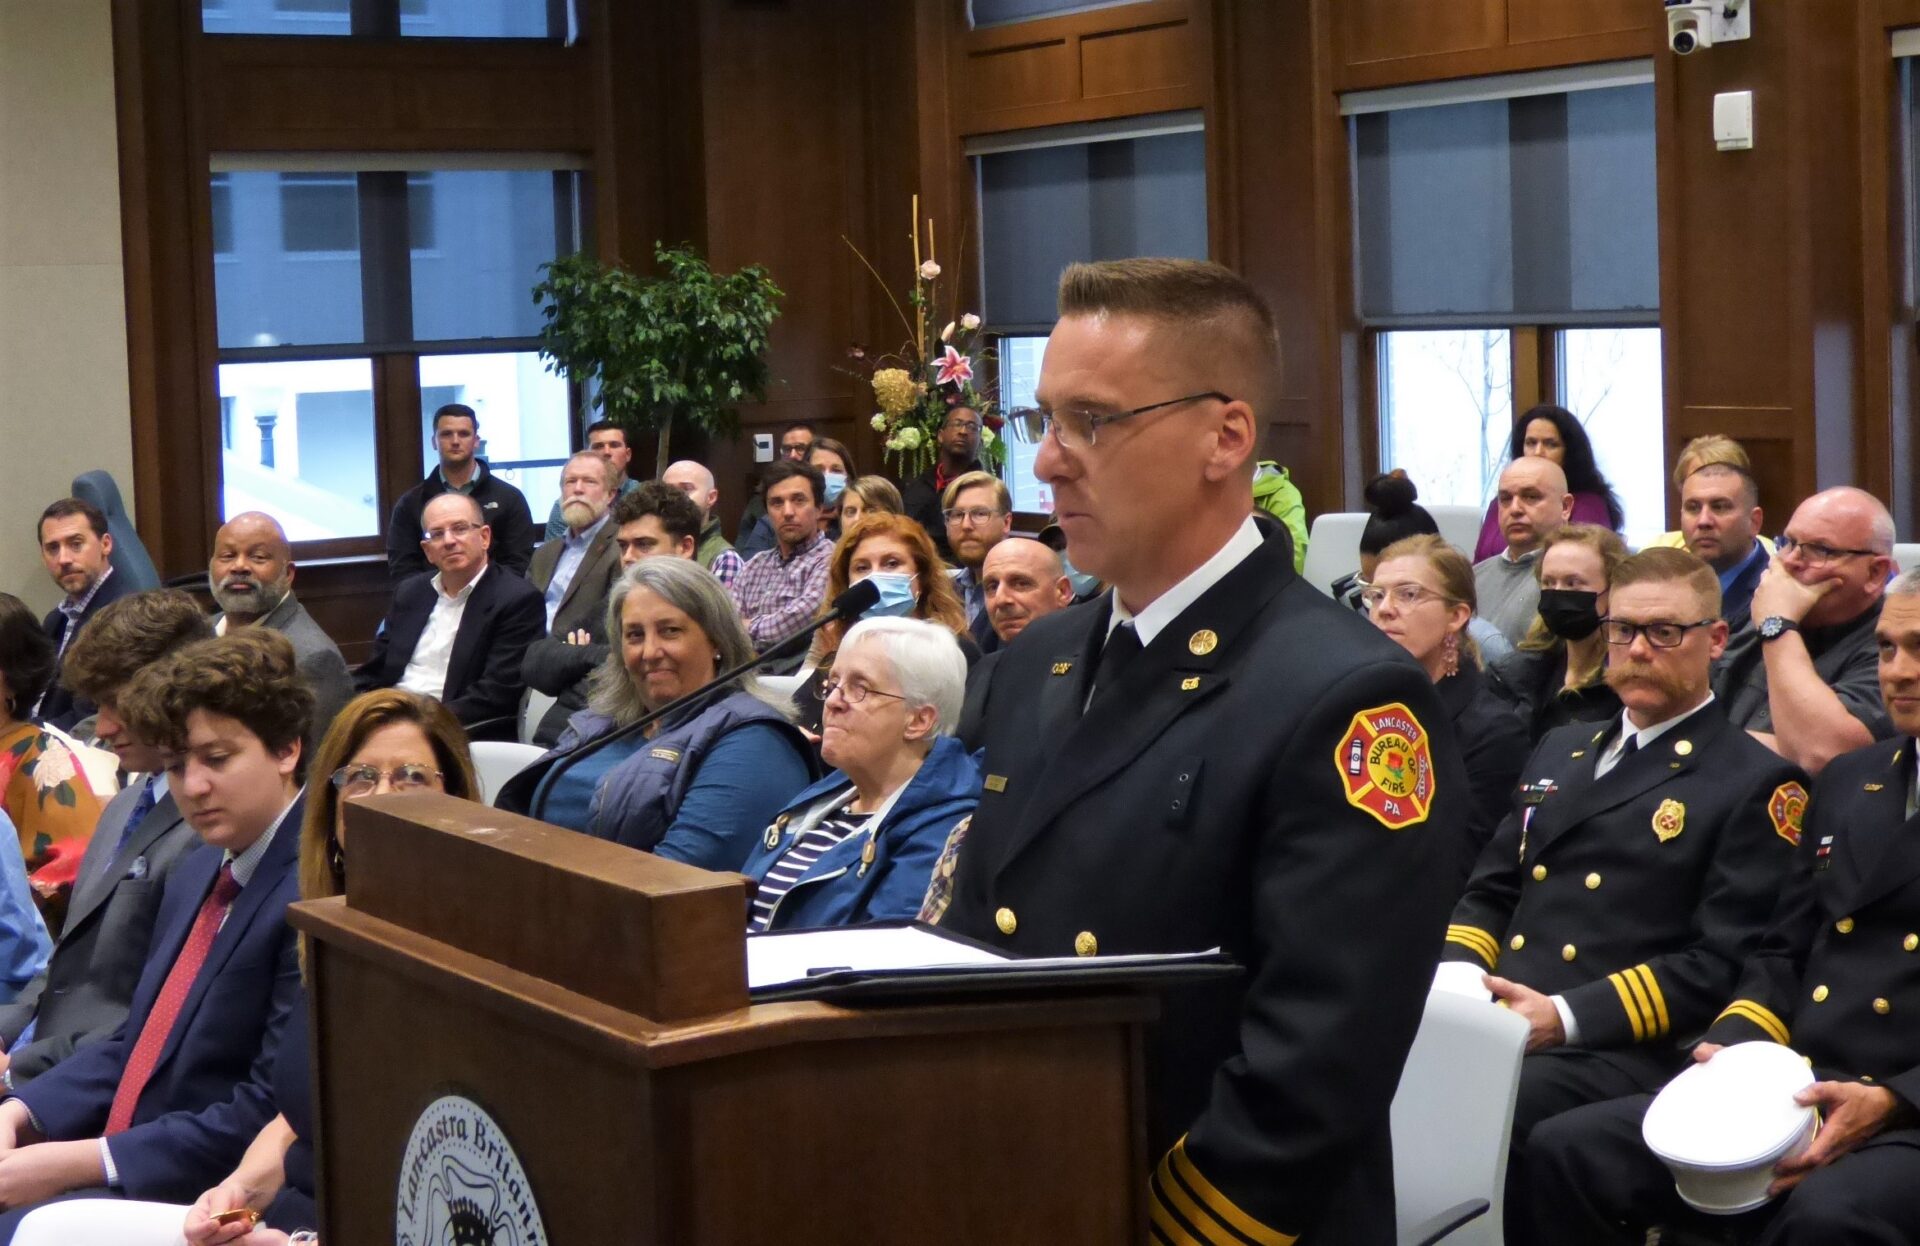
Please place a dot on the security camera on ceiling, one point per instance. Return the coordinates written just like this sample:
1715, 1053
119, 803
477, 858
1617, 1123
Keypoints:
1702, 23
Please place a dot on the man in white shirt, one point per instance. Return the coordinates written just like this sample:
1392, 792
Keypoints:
1613, 907
459, 634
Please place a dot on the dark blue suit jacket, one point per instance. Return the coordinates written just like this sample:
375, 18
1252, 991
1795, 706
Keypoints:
212, 1090
60, 707
504, 615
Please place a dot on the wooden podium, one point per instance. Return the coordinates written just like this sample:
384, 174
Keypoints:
593, 1001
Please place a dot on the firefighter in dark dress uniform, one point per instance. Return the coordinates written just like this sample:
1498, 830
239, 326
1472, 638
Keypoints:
1614, 906
1216, 754
1837, 978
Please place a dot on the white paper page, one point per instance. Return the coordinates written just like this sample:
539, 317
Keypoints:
773, 959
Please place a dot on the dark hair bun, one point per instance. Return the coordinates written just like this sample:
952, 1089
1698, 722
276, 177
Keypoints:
1391, 495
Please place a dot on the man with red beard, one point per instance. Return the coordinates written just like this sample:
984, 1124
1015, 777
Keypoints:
1613, 907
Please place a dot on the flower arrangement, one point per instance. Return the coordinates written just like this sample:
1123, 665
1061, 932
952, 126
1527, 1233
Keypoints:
916, 386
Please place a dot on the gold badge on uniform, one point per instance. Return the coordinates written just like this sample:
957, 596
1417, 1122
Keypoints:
1386, 765
1189, 683
1202, 642
996, 783
1669, 819
1683, 747
1785, 808
1061, 668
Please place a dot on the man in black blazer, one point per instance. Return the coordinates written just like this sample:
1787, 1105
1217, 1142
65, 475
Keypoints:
76, 548
1216, 755
459, 634
82, 994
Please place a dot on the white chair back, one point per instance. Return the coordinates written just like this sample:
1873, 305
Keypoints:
1907, 557
1453, 1114
496, 761
783, 685
1459, 525
1333, 548
533, 713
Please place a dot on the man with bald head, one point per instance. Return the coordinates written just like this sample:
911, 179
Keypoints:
1215, 754
1803, 676
713, 551
459, 634
1021, 580
251, 575
1532, 502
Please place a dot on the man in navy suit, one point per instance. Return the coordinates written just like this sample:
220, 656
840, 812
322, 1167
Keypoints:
168, 1105
459, 634
75, 546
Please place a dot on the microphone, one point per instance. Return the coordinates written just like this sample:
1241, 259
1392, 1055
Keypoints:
846, 608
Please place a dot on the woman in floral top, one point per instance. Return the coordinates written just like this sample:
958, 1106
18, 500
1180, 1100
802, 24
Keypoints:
42, 787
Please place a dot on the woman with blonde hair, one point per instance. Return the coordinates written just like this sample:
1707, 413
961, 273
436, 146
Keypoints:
1422, 596
896, 552
869, 495
1558, 673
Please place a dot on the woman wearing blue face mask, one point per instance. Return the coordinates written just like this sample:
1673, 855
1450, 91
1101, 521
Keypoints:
835, 462
896, 553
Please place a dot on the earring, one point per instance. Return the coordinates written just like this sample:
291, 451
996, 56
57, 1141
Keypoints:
337, 860
1451, 645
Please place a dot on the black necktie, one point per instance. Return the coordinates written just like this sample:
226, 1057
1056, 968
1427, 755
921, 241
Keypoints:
1122, 647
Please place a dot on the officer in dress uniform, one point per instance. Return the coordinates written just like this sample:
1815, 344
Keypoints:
1637, 870
1216, 755
1837, 978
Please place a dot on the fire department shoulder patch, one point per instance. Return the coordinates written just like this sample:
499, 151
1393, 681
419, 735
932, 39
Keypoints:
1785, 808
1386, 765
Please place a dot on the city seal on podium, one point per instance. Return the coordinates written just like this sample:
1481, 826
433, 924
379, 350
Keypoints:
1386, 765
461, 1183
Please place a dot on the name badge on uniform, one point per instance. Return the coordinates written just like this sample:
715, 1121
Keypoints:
996, 783
665, 754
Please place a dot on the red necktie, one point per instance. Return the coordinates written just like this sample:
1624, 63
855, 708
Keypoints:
173, 994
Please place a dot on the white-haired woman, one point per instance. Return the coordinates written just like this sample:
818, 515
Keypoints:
698, 785
860, 845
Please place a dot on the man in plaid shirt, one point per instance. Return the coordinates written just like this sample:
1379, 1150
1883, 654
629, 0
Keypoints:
780, 590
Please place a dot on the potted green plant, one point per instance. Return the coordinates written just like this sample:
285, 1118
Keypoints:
686, 346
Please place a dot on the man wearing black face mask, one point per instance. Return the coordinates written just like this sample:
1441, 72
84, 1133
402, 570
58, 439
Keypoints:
1638, 869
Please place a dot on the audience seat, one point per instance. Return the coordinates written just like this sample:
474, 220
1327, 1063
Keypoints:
1333, 548
496, 761
1452, 1117
1459, 525
129, 556
1907, 557
533, 712
782, 685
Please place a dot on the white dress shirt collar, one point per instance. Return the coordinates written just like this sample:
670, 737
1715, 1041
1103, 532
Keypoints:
1171, 604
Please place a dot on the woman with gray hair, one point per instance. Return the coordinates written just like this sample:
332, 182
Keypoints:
860, 845
698, 785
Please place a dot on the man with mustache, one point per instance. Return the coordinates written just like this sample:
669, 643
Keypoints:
251, 574
1613, 907
1802, 677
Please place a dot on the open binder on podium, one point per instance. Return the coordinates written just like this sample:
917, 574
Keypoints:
518, 1024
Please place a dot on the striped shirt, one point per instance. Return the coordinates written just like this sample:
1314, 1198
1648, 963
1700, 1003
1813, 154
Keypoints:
799, 857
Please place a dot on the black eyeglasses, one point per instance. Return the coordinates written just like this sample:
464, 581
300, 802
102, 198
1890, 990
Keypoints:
1659, 635
1815, 554
1076, 429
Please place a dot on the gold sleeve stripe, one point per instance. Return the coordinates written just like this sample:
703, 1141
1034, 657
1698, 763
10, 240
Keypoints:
1628, 1004
1165, 1227
1761, 1016
1477, 941
1214, 1217
1166, 1197
1661, 1021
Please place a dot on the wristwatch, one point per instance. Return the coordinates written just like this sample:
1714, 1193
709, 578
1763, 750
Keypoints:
1773, 627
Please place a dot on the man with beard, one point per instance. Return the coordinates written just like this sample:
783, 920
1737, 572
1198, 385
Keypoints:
1613, 907
251, 575
924, 495
979, 514
575, 570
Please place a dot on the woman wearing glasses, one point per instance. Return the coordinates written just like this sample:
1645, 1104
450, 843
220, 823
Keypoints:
1558, 674
384, 741
698, 785
1422, 597
860, 845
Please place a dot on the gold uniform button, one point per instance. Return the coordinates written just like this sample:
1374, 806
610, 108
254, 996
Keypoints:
1820, 994
1518, 942
1910, 942
1539, 873
1007, 922
1882, 1007
1844, 925
1593, 882
1568, 952
1084, 944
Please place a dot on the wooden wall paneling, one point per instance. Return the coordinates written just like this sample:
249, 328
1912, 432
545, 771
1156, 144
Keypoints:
170, 333
1888, 461
648, 180
1116, 62
1535, 21
1385, 30
277, 94
1504, 58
